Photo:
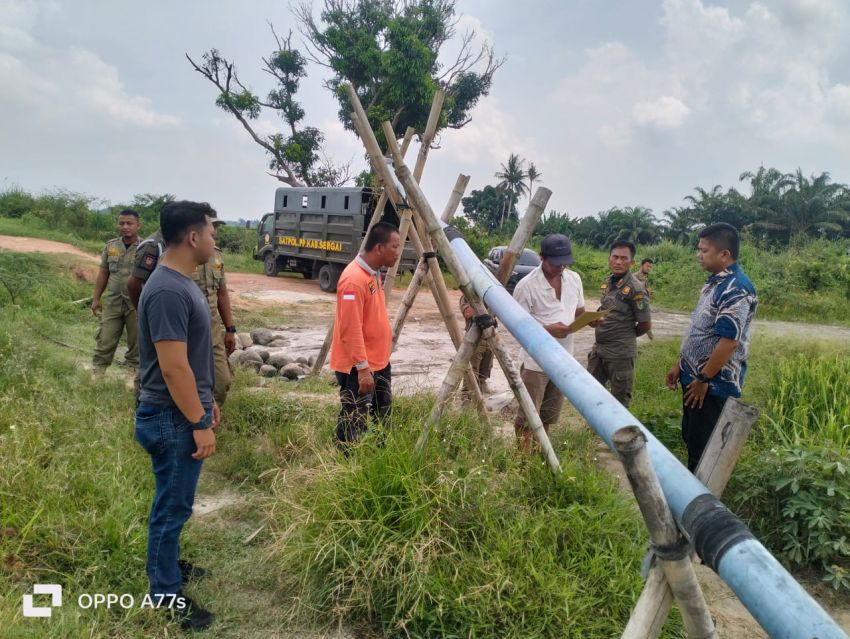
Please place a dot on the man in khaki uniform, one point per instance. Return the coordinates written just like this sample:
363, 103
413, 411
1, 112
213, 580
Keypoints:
612, 357
211, 280
115, 311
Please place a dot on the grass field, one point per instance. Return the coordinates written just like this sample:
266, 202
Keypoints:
477, 541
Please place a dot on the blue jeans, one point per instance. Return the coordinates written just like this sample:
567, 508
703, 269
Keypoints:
167, 437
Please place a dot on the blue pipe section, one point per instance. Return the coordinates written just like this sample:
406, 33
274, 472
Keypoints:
782, 607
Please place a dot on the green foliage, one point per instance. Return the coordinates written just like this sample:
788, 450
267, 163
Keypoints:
491, 208
797, 500
475, 541
389, 52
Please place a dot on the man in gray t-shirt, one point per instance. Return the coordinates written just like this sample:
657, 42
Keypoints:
176, 415
172, 307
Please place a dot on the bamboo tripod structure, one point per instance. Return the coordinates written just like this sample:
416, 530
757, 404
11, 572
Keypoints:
467, 348
670, 546
421, 243
714, 470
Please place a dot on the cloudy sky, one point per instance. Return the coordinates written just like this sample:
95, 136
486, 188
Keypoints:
618, 102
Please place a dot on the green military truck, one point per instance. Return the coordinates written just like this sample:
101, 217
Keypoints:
316, 231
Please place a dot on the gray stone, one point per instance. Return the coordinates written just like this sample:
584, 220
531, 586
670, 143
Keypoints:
279, 359
246, 359
262, 353
301, 360
311, 361
278, 342
262, 336
292, 371
267, 371
243, 340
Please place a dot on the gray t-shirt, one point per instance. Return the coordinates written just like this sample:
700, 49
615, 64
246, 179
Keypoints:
172, 307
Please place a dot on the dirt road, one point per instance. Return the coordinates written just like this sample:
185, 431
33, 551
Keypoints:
34, 245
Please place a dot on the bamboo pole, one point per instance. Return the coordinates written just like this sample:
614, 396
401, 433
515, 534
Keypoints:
322, 356
421, 158
416, 282
630, 443
714, 470
422, 244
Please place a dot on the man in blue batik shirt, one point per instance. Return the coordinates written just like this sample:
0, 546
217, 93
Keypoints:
713, 358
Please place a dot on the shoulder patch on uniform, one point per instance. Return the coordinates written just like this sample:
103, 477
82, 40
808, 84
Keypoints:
638, 296
626, 290
112, 251
149, 261
604, 285
349, 295
641, 303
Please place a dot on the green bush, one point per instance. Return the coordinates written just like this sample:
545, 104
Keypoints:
797, 500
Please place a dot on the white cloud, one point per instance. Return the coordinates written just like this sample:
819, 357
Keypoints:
664, 113
73, 85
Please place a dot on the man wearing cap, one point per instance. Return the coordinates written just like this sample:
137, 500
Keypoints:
612, 358
210, 279
554, 296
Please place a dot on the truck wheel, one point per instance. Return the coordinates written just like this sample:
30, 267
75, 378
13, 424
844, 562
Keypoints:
270, 265
328, 277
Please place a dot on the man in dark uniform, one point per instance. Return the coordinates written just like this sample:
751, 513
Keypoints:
612, 358
115, 312
211, 280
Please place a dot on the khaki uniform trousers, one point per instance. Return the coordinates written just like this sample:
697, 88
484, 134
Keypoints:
619, 371
223, 374
116, 316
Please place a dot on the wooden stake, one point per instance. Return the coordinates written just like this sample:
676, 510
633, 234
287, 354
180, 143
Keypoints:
322, 356
421, 158
416, 283
630, 443
714, 470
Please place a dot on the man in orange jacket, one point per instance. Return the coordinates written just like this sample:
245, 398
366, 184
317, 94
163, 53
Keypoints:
362, 339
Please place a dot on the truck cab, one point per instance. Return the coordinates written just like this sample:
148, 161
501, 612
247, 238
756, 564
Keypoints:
317, 231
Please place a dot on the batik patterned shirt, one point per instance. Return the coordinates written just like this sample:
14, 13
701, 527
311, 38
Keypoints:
725, 309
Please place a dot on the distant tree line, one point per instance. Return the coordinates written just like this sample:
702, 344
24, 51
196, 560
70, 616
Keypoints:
777, 207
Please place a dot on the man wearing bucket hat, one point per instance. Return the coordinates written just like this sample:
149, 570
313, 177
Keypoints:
553, 295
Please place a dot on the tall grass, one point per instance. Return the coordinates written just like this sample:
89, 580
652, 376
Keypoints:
477, 541
810, 401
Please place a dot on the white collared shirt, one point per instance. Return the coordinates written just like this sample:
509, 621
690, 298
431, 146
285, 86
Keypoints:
536, 295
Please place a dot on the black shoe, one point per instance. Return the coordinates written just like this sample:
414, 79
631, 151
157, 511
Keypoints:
190, 572
192, 616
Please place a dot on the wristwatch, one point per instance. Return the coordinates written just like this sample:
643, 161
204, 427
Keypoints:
206, 422
229, 329
702, 378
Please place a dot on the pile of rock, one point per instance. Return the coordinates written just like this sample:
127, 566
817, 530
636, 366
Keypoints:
265, 352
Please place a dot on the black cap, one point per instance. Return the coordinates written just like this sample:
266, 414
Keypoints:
557, 249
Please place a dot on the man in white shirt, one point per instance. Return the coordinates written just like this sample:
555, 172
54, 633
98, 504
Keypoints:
554, 296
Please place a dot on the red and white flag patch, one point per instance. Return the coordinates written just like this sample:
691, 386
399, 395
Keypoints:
348, 295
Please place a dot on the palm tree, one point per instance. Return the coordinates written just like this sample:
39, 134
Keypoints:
814, 204
533, 176
637, 225
512, 179
680, 225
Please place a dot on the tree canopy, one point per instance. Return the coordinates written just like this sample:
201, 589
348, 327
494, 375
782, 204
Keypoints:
390, 51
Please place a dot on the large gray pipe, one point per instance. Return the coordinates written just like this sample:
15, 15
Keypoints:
782, 607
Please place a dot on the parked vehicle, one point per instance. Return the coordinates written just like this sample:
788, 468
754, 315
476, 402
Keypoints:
527, 262
316, 231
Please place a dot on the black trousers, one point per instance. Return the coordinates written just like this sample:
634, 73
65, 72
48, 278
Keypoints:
356, 408
698, 424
